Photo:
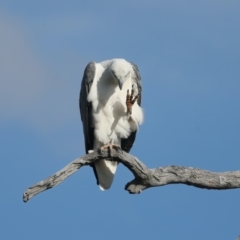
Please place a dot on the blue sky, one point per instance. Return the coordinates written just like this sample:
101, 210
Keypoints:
188, 55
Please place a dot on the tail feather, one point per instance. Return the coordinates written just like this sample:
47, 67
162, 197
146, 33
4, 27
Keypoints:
105, 172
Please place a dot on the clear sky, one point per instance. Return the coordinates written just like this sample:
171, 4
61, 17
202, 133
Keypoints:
189, 57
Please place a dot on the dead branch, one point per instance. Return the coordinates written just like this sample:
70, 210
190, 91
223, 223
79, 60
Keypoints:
144, 177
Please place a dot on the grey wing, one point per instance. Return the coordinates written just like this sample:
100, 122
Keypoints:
127, 143
86, 107
137, 78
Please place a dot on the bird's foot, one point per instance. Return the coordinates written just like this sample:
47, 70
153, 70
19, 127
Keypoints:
130, 100
110, 146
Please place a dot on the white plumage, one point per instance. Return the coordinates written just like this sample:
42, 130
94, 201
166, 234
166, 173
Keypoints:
110, 119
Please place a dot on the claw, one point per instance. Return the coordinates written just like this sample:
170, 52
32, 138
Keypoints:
110, 146
130, 100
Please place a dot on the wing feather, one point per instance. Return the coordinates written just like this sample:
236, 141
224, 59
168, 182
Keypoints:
137, 78
86, 109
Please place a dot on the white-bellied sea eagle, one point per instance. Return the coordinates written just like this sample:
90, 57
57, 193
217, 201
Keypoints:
109, 113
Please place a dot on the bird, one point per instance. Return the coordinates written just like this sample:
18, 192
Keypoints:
110, 109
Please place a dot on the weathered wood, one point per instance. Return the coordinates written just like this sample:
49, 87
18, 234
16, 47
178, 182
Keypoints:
144, 177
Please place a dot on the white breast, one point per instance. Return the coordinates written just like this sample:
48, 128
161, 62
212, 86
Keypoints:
109, 109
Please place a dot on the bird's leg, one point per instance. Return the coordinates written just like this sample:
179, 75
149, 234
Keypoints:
130, 100
110, 146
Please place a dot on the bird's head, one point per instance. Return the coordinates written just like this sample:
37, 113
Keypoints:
120, 71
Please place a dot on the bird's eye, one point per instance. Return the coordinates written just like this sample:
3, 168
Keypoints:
126, 75
114, 74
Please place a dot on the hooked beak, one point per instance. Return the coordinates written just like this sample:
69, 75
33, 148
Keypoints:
120, 84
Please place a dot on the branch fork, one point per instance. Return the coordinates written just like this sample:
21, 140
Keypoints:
144, 177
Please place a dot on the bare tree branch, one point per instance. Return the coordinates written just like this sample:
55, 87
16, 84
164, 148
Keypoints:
144, 177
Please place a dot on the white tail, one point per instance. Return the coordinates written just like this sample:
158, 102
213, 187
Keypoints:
105, 172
